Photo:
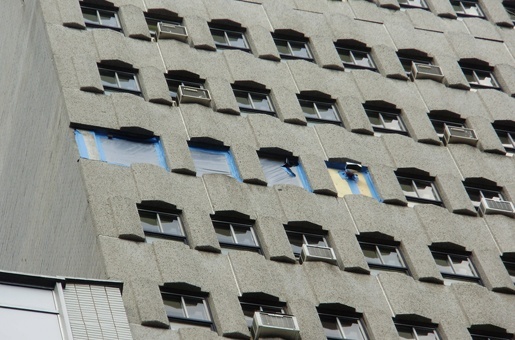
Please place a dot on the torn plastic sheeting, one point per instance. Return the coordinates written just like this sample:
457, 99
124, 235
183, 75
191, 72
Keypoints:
125, 152
276, 173
211, 162
87, 144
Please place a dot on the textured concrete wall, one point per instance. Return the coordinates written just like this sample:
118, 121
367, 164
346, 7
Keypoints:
113, 191
46, 221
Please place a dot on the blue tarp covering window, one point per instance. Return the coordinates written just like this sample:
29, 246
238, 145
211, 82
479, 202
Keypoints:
119, 150
213, 160
285, 170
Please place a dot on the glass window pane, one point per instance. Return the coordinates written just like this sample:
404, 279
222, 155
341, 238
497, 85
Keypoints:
125, 152
152, 25
425, 190
345, 56
469, 74
442, 263
407, 187
390, 256
456, 5
472, 9
426, 334
308, 108
505, 139
248, 312
243, 99
370, 253
260, 102
282, 47
27, 297
26, 325
90, 16
210, 162
374, 119
296, 242
223, 233
149, 221
171, 224
196, 308
315, 240
351, 329
236, 39
462, 266
299, 49
362, 59
128, 81
405, 332
485, 78
108, 18
108, 78
330, 326
173, 306
244, 235
218, 36
327, 111
392, 122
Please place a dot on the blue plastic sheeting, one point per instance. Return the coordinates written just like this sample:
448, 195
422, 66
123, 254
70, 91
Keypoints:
119, 150
278, 171
214, 161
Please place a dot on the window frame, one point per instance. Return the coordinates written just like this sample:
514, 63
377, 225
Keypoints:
302, 180
215, 150
463, 12
509, 7
509, 133
244, 111
174, 82
186, 320
409, 4
227, 45
482, 189
392, 113
451, 255
509, 264
98, 9
248, 224
100, 135
297, 40
379, 245
319, 119
420, 180
354, 65
109, 89
151, 235
320, 234
355, 318
418, 326
470, 70
439, 124
404, 58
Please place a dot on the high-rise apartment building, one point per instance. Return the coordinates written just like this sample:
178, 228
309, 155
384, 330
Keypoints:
298, 169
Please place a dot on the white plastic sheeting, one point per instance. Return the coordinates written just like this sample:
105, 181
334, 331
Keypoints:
278, 172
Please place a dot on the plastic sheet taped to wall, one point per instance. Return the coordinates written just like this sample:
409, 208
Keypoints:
119, 150
283, 171
214, 161
357, 183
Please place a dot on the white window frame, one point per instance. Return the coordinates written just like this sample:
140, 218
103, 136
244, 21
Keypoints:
305, 241
319, 119
414, 330
354, 63
149, 235
227, 43
418, 199
118, 27
291, 54
246, 110
186, 320
256, 247
119, 88
378, 253
464, 8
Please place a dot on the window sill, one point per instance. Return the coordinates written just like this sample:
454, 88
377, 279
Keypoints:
95, 26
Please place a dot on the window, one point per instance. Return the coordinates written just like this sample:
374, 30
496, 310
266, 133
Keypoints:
95, 17
319, 111
509, 263
352, 178
507, 136
509, 6
416, 332
439, 122
354, 57
237, 235
174, 82
419, 190
298, 237
413, 4
211, 159
229, 38
479, 77
161, 225
283, 170
250, 306
342, 324
29, 313
153, 20
120, 150
408, 59
293, 48
115, 80
489, 332
477, 192
382, 255
385, 120
251, 102
187, 310
455, 266
468, 8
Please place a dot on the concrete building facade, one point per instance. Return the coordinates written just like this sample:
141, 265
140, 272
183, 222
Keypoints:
304, 169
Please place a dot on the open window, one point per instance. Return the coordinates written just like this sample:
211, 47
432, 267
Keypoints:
451, 128
487, 197
352, 178
117, 148
165, 25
